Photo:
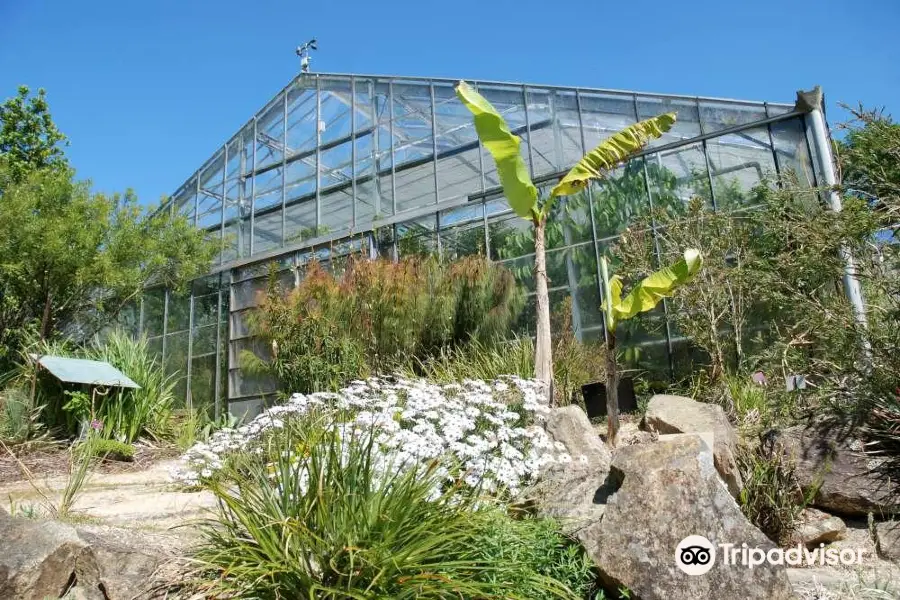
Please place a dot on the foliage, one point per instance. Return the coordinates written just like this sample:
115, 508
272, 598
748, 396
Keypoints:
503, 145
869, 156
768, 296
530, 546
72, 259
29, 139
614, 150
647, 293
107, 449
19, 417
576, 363
486, 433
123, 414
771, 497
523, 196
392, 537
377, 316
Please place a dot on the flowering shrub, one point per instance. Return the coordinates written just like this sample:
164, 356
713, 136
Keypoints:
487, 434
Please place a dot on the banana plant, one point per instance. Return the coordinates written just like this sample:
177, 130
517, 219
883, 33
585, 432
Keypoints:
523, 197
643, 297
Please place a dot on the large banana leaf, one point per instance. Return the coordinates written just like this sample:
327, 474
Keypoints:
647, 294
504, 147
612, 151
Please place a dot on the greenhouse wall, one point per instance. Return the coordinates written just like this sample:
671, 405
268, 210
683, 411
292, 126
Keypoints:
337, 165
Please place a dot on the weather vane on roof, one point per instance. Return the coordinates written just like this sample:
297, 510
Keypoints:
303, 53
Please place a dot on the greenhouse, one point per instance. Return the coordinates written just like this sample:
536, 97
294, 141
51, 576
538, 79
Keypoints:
336, 165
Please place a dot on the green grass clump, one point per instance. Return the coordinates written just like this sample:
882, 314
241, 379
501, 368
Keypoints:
320, 515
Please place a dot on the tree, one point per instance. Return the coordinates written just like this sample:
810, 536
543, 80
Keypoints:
71, 260
523, 197
643, 297
29, 139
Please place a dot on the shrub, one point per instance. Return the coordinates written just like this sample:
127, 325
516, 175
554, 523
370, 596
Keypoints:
125, 414
323, 514
487, 433
376, 316
130, 413
108, 449
19, 418
771, 497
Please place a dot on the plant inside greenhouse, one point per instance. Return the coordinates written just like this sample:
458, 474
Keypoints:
405, 336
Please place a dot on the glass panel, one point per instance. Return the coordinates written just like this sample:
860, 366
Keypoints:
511, 236
237, 197
687, 124
792, 151
302, 126
179, 312
335, 106
604, 114
721, 115
154, 307
739, 161
184, 200
245, 294
564, 105
337, 190
203, 383
417, 237
206, 309
462, 231
459, 170
677, 176
545, 142
204, 340
176, 363
368, 198
384, 143
413, 146
619, 199
270, 135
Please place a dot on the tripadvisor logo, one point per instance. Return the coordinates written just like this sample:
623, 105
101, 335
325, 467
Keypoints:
696, 555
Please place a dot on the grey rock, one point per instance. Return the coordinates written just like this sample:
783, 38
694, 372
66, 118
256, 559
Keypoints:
814, 527
887, 540
569, 492
676, 414
44, 560
50, 559
836, 476
662, 493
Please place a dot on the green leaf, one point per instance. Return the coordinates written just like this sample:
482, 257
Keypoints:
504, 148
612, 151
661, 284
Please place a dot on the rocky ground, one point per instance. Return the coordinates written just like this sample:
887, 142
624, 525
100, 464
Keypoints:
126, 536
673, 474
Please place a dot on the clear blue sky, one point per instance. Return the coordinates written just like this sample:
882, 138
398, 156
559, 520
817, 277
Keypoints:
147, 90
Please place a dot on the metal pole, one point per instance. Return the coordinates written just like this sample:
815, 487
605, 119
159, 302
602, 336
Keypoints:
354, 199
393, 156
217, 385
190, 350
253, 193
318, 157
284, 151
819, 134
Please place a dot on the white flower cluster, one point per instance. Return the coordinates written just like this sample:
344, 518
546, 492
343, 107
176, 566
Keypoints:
489, 433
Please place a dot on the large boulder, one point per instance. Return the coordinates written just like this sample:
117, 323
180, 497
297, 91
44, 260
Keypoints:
887, 540
569, 492
837, 476
43, 560
814, 527
676, 414
49, 559
665, 492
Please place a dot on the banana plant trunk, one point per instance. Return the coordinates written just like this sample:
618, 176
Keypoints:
612, 389
543, 355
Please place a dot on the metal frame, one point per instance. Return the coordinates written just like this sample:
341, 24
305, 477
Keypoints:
403, 130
